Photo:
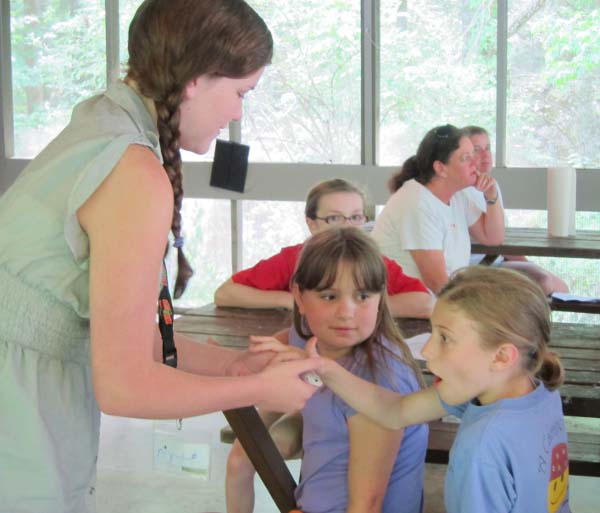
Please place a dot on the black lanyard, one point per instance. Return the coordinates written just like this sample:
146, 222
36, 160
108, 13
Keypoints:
165, 321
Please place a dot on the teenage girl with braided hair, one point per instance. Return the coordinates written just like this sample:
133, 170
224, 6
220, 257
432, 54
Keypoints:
84, 231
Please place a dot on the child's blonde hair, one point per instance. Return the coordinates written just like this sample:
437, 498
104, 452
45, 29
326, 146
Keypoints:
317, 269
507, 306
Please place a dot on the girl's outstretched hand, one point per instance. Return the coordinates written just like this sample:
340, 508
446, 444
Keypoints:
286, 391
311, 348
328, 369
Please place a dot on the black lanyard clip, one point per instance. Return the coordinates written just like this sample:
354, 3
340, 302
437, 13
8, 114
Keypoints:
165, 322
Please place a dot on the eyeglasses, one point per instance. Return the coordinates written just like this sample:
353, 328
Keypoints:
337, 219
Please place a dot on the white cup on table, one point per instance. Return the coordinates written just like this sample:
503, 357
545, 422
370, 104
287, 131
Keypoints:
561, 201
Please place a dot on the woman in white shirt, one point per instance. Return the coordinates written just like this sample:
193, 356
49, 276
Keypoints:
427, 223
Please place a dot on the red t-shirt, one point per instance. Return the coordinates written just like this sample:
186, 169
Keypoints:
275, 273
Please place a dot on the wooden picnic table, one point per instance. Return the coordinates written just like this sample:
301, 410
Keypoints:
577, 345
537, 242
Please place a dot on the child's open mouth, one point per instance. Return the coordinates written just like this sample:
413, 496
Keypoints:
436, 380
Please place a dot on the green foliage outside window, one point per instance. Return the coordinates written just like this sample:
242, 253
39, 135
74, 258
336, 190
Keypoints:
438, 65
59, 58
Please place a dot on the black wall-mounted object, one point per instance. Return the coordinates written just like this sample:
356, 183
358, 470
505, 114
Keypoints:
230, 166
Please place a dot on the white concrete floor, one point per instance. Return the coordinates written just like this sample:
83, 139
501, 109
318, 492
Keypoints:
127, 481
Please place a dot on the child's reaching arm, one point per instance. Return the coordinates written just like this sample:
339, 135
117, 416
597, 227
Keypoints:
238, 295
387, 408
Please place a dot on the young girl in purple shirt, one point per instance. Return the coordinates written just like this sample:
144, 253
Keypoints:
351, 464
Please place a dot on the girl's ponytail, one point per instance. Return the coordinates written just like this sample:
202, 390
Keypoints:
551, 372
408, 171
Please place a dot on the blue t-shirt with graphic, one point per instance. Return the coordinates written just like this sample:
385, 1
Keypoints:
510, 456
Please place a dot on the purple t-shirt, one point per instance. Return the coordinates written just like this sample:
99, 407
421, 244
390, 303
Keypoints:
323, 484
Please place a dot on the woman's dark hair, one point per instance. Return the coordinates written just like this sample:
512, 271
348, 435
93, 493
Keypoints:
174, 41
438, 144
317, 269
507, 306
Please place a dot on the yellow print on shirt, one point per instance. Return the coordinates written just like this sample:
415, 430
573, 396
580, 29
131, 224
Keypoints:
559, 477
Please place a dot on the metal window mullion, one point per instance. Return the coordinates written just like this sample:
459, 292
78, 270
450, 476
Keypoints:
237, 211
112, 40
501, 83
7, 134
370, 39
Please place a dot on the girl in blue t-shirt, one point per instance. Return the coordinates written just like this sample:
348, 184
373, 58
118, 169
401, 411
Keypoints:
489, 356
350, 463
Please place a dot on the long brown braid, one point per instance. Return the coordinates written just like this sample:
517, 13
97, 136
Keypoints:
174, 41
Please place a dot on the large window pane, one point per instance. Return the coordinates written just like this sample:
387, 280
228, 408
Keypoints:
58, 56
438, 65
307, 105
270, 226
207, 233
267, 227
554, 84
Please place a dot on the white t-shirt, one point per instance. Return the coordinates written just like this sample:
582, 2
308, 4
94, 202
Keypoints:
414, 218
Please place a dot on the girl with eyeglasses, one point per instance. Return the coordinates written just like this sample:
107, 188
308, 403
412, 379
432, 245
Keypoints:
330, 203
428, 221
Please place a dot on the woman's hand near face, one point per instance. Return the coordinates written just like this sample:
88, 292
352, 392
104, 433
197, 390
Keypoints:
486, 183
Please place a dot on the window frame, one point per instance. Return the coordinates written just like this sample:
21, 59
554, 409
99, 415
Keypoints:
524, 188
